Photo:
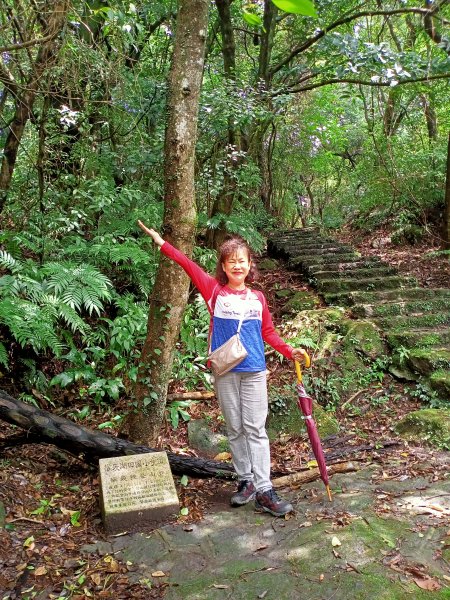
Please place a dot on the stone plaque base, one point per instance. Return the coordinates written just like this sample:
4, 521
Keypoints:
136, 491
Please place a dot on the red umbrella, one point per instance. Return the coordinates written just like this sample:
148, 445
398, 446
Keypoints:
305, 404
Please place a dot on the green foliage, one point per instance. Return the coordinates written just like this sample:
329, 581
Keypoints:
45, 506
191, 352
75, 270
206, 258
281, 399
403, 354
43, 306
3, 355
177, 409
428, 396
79, 286
84, 371
240, 223
106, 371
298, 7
112, 423
252, 19
329, 391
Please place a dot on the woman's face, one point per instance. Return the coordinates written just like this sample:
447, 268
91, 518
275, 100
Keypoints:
236, 268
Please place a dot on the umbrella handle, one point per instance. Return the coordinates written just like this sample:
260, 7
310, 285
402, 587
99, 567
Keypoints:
298, 368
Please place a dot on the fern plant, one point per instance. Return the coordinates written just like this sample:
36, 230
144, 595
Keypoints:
43, 306
125, 261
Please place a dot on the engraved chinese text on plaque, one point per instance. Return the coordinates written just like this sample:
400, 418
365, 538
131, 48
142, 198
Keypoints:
136, 490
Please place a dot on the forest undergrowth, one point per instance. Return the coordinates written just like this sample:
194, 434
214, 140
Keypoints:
49, 500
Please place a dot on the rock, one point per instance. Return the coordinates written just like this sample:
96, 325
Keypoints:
364, 337
204, 440
301, 301
401, 373
326, 423
440, 381
268, 264
429, 425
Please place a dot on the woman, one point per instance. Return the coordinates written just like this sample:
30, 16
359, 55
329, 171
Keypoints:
242, 392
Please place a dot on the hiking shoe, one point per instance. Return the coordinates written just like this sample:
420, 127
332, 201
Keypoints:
271, 503
245, 492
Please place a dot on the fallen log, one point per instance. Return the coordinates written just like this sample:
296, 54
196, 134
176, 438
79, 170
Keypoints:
190, 396
90, 446
298, 479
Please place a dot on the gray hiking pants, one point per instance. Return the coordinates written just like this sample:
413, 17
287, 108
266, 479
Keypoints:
243, 401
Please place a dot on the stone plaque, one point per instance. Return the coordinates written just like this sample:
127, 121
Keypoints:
136, 490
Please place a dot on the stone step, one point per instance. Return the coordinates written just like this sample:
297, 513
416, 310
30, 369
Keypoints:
440, 381
427, 360
374, 272
283, 239
322, 259
394, 324
423, 338
306, 246
417, 319
328, 286
401, 307
336, 249
379, 296
357, 263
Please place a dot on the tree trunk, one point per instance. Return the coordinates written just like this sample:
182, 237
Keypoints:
430, 117
43, 427
446, 227
24, 100
223, 204
170, 293
262, 145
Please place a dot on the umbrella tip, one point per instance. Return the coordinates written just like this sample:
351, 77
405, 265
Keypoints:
329, 493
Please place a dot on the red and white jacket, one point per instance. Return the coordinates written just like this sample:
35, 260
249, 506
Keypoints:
226, 306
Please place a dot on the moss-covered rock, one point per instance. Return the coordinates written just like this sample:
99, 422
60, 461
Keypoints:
325, 421
427, 360
206, 441
354, 264
375, 271
327, 286
290, 420
420, 338
301, 301
398, 295
400, 307
440, 381
268, 264
428, 425
364, 337
344, 355
393, 324
321, 317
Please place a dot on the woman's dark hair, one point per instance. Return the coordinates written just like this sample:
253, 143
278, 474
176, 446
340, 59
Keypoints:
228, 248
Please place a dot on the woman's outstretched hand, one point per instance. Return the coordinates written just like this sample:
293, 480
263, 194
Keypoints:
152, 233
299, 354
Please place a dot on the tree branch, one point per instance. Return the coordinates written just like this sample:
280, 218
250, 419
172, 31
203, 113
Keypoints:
313, 86
28, 43
365, 13
7, 78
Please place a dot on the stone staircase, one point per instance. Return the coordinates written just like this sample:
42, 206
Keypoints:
414, 321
